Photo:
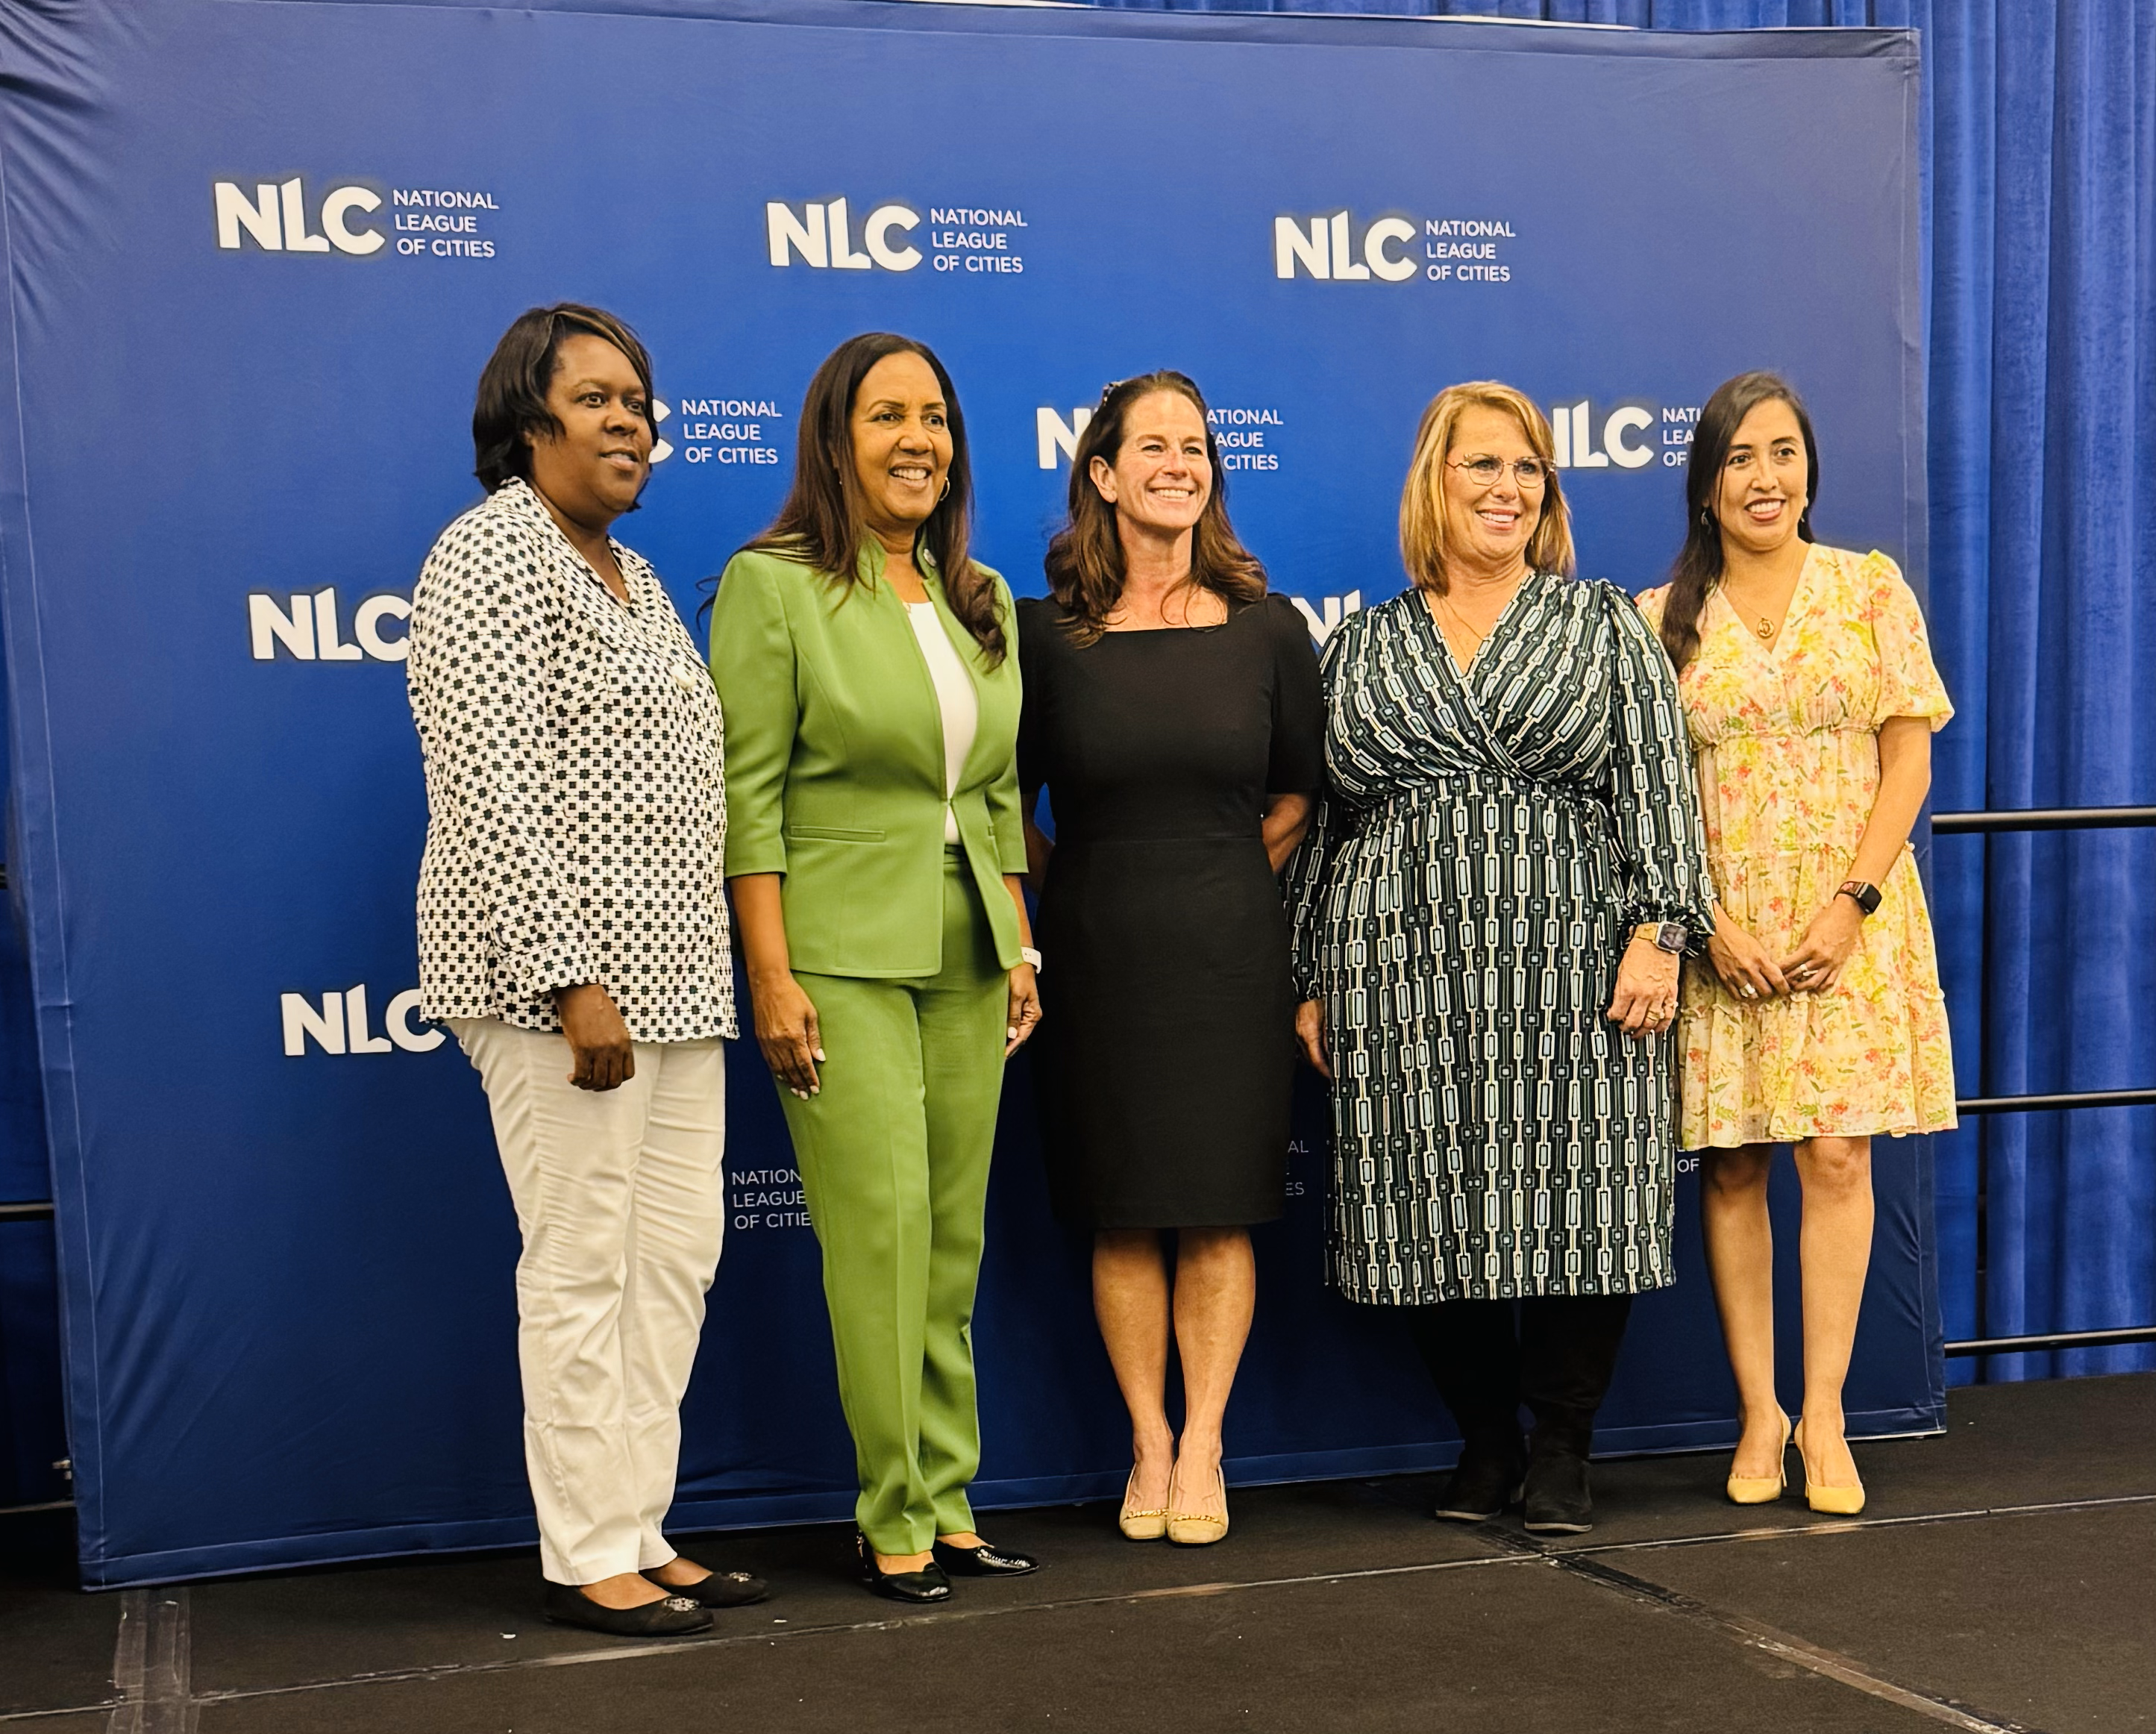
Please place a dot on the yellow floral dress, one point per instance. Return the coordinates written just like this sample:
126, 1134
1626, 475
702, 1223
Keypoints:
1787, 740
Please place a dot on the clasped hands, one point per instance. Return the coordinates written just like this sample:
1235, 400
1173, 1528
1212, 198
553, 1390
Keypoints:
1645, 1003
1749, 971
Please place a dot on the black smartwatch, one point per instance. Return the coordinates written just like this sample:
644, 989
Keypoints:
1672, 936
1865, 896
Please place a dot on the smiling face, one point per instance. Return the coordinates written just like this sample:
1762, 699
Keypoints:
901, 434
1762, 491
595, 467
1487, 527
1162, 477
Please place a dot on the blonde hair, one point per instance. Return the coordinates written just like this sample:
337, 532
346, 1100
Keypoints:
1423, 535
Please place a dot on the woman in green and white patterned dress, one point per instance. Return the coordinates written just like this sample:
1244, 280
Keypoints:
1490, 914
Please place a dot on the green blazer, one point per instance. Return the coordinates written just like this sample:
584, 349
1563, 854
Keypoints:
834, 764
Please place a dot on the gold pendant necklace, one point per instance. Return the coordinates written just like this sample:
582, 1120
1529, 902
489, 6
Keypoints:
1766, 629
1466, 626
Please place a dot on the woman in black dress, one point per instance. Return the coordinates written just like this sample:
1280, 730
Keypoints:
1172, 711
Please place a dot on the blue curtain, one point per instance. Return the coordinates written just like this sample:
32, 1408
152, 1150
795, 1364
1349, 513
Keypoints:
2042, 125
2039, 134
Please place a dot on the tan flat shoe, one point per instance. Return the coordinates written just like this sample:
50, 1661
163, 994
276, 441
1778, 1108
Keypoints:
1829, 1501
1197, 1529
1765, 1490
1137, 1524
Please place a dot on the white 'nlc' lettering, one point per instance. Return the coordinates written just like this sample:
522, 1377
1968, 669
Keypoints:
1572, 437
820, 236
1327, 249
339, 1025
276, 218
306, 628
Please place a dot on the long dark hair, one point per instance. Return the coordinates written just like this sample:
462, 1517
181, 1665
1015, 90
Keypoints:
822, 522
1698, 566
513, 386
1084, 561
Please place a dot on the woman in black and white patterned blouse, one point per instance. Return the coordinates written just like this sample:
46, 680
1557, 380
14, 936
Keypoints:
572, 931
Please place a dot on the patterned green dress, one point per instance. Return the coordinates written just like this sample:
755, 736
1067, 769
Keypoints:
1488, 843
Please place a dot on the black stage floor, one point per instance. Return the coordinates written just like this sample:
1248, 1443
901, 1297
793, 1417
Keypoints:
2003, 1578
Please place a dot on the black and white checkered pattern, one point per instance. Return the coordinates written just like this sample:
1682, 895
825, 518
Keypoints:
1487, 844
576, 789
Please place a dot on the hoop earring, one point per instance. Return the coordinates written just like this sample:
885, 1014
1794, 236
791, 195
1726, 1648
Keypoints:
946, 494
1706, 517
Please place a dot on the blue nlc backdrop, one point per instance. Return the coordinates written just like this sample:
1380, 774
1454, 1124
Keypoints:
256, 254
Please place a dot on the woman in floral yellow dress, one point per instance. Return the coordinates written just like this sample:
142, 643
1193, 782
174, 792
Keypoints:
1811, 698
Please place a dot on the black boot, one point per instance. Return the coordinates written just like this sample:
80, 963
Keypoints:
1474, 1360
1567, 1352
1487, 1480
1558, 1500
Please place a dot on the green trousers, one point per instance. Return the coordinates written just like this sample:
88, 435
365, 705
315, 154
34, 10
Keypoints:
894, 1156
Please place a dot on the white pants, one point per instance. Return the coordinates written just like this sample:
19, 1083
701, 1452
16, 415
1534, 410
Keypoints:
620, 1194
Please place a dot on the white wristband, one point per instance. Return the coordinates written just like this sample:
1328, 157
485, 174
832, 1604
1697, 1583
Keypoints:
1031, 956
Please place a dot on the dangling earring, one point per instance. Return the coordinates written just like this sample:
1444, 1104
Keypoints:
946, 494
1706, 517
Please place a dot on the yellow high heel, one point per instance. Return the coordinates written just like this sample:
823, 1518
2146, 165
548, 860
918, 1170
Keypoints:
1830, 1501
1198, 1529
1765, 1490
1137, 1524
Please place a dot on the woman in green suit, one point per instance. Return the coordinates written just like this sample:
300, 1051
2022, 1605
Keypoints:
869, 681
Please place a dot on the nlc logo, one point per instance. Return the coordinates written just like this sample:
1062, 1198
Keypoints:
339, 1025
822, 236
306, 628
1328, 249
1572, 429
275, 217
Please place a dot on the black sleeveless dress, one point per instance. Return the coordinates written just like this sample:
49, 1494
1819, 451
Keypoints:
1166, 1056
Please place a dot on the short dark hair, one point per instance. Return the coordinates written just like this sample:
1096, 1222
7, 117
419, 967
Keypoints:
511, 408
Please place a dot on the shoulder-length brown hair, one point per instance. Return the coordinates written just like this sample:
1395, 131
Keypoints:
1423, 539
512, 407
823, 522
1084, 561
1698, 565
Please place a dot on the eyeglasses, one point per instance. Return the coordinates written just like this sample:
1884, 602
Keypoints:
1531, 473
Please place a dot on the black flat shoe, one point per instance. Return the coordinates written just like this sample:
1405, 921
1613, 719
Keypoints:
1558, 1500
986, 1560
926, 1585
675, 1617
1480, 1488
721, 1589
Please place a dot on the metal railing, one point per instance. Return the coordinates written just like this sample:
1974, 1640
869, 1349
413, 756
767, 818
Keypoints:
2010, 822
2044, 818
